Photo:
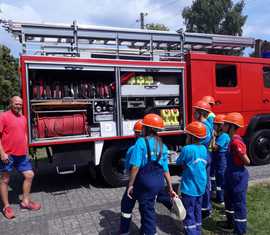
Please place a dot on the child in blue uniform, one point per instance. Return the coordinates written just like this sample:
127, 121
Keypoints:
202, 110
149, 167
210, 118
236, 176
127, 204
193, 158
211, 101
219, 157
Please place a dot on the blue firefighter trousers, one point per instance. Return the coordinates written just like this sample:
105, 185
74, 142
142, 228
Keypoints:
236, 184
148, 184
127, 205
193, 220
213, 172
220, 167
206, 200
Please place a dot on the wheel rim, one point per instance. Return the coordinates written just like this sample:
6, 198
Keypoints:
262, 147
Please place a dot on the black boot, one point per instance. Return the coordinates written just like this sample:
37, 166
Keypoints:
225, 226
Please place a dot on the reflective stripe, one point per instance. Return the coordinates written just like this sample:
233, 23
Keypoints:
205, 209
230, 212
190, 226
213, 178
240, 220
126, 215
219, 188
200, 160
199, 224
124, 233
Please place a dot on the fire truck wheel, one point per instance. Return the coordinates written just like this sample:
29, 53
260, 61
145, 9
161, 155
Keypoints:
259, 147
112, 166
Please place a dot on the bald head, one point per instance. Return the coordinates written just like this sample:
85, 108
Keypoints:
15, 99
15, 103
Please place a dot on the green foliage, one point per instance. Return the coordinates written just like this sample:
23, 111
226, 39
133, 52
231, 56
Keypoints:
215, 16
9, 84
160, 27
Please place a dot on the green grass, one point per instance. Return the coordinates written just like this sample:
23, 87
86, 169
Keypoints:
258, 213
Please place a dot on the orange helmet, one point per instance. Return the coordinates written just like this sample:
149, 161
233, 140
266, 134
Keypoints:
209, 99
235, 118
202, 105
219, 119
138, 126
196, 129
153, 120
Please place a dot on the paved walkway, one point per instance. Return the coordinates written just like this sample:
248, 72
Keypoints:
73, 205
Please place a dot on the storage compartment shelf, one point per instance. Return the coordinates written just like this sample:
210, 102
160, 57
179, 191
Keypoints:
152, 91
61, 111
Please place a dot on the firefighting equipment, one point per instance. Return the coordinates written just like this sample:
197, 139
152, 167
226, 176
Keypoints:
178, 208
79, 89
219, 119
138, 126
170, 117
202, 105
53, 126
166, 115
234, 118
209, 99
175, 117
149, 80
132, 81
196, 129
140, 80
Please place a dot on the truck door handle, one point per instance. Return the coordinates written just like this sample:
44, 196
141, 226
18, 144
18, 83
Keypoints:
218, 102
265, 101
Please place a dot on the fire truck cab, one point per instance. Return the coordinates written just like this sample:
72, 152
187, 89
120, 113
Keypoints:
85, 87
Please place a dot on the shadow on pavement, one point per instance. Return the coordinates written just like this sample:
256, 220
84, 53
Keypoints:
110, 221
47, 180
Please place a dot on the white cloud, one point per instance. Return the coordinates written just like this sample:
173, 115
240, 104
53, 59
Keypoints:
117, 13
24, 13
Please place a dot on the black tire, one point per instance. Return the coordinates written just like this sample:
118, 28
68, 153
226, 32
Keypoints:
259, 147
112, 166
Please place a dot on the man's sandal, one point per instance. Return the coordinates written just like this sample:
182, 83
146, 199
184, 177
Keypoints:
8, 212
33, 206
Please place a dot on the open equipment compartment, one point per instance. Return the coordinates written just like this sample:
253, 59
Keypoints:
71, 101
152, 90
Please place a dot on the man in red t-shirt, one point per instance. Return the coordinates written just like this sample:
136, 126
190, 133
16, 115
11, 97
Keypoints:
13, 153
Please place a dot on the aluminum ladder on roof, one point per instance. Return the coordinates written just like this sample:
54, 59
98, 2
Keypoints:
71, 39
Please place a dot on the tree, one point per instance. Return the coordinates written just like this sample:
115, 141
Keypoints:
215, 16
160, 27
9, 84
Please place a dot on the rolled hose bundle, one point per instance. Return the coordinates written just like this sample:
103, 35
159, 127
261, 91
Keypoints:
64, 125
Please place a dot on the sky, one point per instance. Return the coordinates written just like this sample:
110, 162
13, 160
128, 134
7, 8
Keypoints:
119, 13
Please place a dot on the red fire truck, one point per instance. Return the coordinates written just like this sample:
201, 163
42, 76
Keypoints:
84, 87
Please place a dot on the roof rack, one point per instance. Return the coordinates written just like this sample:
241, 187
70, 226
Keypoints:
74, 40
